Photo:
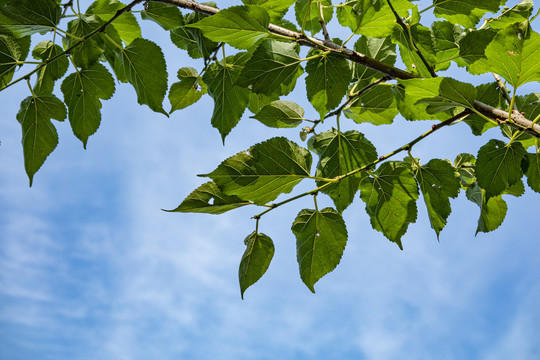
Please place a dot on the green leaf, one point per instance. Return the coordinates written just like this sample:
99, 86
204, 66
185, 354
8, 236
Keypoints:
466, 13
89, 51
465, 164
452, 93
307, 14
390, 198
421, 36
438, 182
27, 17
255, 260
204, 46
513, 54
375, 18
126, 24
489, 94
472, 48
273, 68
167, 16
209, 199
263, 172
10, 53
39, 136
492, 209
533, 172
82, 91
516, 14
379, 49
446, 37
275, 8
51, 72
327, 81
414, 90
376, 106
230, 100
258, 101
321, 237
498, 166
281, 114
340, 153
238, 26
143, 64
188, 91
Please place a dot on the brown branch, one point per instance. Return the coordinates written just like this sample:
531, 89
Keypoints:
517, 121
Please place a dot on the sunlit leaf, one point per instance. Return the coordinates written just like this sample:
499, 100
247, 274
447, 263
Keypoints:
466, 13
188, 90
307, 14
377, 106
166, 15
126, 24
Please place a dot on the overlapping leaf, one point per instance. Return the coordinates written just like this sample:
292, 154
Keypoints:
516, 14
209, 199
489, 94
126, 24
533, 171
188, 90
39, 136
341, 153
10, 53
82, 93
466, 13
472, 49
321, 237
465, 164
413, 42
390, 198
452, 93
273, 68
143, 64
263, 172
446, 37
27, 17
275, 8
166, 15
51, 72
498, 166
377, 106
255, 260
281, 114
492, 209
91, 49
307, 14
382, 50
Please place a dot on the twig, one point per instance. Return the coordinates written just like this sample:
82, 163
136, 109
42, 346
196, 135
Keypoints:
504, 90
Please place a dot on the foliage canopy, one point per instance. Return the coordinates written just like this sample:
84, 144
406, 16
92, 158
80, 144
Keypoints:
267, 41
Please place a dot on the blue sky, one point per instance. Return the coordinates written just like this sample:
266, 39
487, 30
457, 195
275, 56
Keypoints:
91, 268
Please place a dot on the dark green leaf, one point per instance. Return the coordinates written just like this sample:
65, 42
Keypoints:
446, 37
390, 199
492, 210
167, 16
263, 172
255, 260
10, 53
377, 106
472, 48
209, 199
230, 100
327, 81
498, 166
39, 136
321, 237
466, 13
341, 153
188, 91
239, 26
275, 8
273, 68
90, 50
82, 93
489, 94
126, 24
280, 114
51, 72
533, 172
27, 17
143, 64
438, 182
257, 101
307, 14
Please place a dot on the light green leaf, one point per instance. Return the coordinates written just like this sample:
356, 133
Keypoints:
472, 48
492, 209
379, 49
273, 68
513, 54
143, 64
89, 51
414, 90
39, 136
452, 93
375, 18
327, 81
255, 260
533, 172
238, 26
48, 74
166, 15
307, 14
209, 199
263, 172
321, 237
446, 37
126, 24
466, 13
275, 8
489, 94
516, 14
377, 106
27, 17
465, 164
281, 114
230, 100
340, 153
516, 190
421, 36
188, 91
438, 181
82, 91
10, 53
498, 166
257, 101
390, 199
